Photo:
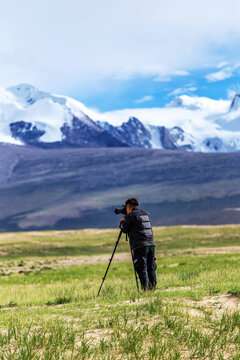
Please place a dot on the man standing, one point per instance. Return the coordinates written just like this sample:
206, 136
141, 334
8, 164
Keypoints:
137, 225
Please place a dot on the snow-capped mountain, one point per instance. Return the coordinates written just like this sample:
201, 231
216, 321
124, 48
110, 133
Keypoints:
192, 123
31, 116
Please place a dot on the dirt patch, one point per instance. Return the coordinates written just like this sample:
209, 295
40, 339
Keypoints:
201, 251
132, 302
83, 231
7, 236
195, 312
179, 288
99, 231
94, 259
210, 226
56, 263
39, 233
225, 302
28, 266
6, 268
213, 235
21, 235
173, 265
94, 336
47, 243
206, 242
217, 304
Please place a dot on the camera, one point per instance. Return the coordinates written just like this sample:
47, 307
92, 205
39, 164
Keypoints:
122, 210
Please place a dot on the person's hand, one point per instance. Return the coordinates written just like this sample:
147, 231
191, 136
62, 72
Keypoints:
122, 219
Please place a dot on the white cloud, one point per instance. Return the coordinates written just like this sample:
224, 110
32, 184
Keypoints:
226, 72
194, 109
79, 44
163, 78
220, 75
222, 64
192, 88
158, 73
167, 76
183, 90
144, 99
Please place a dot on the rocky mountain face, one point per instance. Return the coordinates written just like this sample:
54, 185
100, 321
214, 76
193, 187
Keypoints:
87, 133
29, 116
171, 139
26, 132
79, 133
101, 134
132, 132
136, 135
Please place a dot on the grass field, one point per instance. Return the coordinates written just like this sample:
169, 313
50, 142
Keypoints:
49, 310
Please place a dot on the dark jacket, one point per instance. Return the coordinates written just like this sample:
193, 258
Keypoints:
138, 226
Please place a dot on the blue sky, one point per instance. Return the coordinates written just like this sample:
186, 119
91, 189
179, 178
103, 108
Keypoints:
142, 92
114, 55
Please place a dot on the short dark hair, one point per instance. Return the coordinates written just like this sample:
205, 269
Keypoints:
131, 202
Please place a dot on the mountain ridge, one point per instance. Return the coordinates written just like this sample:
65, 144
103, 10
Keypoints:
71, 188
33, 117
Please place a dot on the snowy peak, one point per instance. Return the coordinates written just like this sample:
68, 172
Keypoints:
31, 116
6, 97
183, 102
197, 103
27, 94
24, 93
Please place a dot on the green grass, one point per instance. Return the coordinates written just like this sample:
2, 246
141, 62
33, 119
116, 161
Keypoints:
91, 242
49, 312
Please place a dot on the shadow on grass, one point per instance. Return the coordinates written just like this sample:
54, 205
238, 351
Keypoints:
59, 300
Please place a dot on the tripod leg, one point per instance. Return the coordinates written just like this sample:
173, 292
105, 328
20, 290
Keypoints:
133, 266
135, 274
119, 236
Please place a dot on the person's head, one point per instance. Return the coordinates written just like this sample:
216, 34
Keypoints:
130, 204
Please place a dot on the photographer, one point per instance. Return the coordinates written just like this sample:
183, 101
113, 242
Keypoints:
136, 223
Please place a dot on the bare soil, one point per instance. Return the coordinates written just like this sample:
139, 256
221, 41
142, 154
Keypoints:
217, 305
204, 251
7, 268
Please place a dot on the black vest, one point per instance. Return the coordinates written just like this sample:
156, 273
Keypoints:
138, 226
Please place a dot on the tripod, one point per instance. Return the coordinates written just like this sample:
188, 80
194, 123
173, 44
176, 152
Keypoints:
110, 260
